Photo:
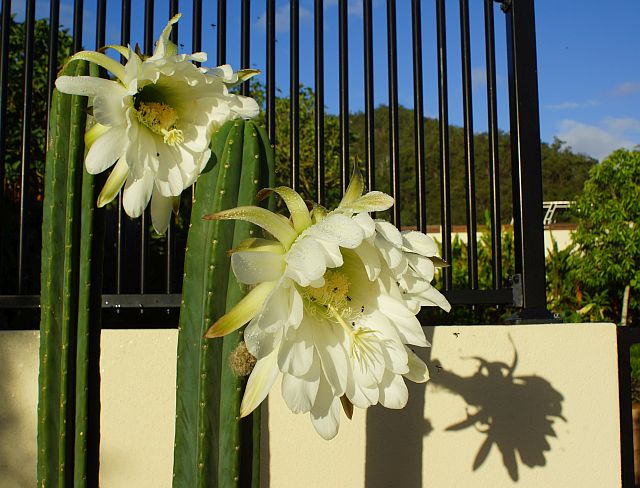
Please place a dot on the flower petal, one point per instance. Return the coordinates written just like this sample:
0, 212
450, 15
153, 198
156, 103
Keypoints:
338, 229
420, 243
163, 48
393, 391
105, 151
325, 413
114, 182
369, 257
329, 339
242, 312
251, 267
296, 352
102, 60
299, 393
408, 326
161, 208
260, 382
137, 193
418, 371
374, 201
355, 188
294, 202
89, 86
261, 217
304, 263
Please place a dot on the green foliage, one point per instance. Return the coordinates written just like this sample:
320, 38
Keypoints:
307, 145
10, 206
14, 101
561, 293
480, 314
564, 171
634, 352
608, 237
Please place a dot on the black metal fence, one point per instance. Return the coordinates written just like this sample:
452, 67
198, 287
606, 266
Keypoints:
142, 279
142, 273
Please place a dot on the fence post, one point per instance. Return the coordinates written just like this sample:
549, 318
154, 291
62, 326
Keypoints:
526, 166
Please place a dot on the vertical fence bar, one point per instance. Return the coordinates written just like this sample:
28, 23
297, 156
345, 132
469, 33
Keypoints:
101, 20
625, 340
526, 167
125, 37
318, 32
294, 90
174, 8
196, 27
394, 131
54, 21
343, 41
271, 70
144, 234
467, 102
369, 112
26, 136
222, 32
418, 114
245, 43
443, 128
4, 77
494, 157
170, 241
78, 12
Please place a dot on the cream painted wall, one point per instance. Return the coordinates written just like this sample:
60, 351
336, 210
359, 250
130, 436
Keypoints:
568, 370
561, 236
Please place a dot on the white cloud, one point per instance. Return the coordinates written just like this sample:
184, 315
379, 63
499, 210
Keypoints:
627, 88
571, 105
595, 141
283, 18
624, 125
479, 76
353, 8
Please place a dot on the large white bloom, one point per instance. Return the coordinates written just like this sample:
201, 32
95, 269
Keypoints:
155, 121
326, 311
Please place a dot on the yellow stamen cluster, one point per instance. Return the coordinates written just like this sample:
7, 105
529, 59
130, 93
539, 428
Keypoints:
161, 119
332, 301
334, 292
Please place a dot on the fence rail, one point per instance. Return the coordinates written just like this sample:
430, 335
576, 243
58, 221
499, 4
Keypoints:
142, 273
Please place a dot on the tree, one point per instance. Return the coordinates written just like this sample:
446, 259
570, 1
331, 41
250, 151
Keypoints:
608, 235
39, 93
34, 188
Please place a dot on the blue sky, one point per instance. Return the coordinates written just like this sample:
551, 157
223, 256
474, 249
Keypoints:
588, 59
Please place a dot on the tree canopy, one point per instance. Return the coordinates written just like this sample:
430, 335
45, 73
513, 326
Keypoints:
608, 233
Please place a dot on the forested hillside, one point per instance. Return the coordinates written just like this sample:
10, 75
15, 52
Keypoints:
564, 172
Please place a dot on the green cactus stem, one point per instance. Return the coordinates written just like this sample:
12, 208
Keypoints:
213, 446
70, 301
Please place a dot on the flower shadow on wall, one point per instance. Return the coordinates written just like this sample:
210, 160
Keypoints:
516, 413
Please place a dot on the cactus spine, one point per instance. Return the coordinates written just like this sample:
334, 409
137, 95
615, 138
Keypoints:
213, 447
70, 298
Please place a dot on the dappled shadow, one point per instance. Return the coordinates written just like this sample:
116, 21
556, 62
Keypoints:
516, 413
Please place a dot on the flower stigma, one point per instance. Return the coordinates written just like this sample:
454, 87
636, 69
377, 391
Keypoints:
160, 119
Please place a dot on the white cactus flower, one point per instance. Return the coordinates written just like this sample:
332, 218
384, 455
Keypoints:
325, 311
154, 121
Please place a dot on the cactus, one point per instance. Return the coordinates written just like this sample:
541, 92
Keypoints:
70, 299
213, 447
